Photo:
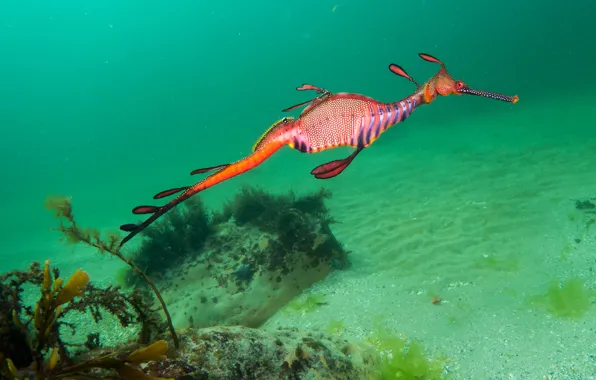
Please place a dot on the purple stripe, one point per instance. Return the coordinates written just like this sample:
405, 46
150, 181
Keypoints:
395, 111
390, 119
404, 111
364, 131
376, 116
376, 129
387, 122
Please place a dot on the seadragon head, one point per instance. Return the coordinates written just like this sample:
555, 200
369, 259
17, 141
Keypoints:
443, 84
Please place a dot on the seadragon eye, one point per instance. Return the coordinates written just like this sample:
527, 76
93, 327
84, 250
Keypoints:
459, 85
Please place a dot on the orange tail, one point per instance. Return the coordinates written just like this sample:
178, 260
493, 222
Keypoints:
262, 151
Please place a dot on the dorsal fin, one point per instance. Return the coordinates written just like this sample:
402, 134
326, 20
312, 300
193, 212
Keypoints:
269, 130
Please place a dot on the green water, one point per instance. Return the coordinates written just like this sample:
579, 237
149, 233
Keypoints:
110, 102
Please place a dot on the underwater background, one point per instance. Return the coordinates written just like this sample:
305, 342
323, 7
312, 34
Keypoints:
480, 203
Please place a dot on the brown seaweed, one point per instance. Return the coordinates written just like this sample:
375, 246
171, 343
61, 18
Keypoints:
39, 342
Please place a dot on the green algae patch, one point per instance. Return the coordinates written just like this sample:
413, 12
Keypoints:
405, 359
570, 299
305, 305
336, 327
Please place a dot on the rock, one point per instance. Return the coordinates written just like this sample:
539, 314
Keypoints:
245, 275
242, 353
240, 265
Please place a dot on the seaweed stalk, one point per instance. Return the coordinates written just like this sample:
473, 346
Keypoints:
62, 209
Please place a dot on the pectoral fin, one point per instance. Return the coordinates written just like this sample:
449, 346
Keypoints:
334, 168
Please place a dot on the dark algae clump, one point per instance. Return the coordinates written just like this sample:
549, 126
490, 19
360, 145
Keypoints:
178, 235
301, 225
